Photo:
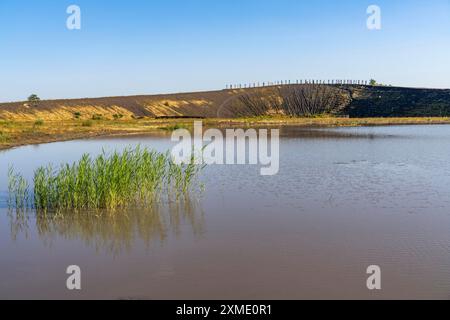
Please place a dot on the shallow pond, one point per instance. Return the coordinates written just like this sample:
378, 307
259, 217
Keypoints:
344, 199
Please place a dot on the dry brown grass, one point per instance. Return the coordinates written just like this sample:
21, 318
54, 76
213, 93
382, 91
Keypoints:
327, 121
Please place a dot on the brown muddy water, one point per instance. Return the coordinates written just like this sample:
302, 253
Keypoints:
344, 199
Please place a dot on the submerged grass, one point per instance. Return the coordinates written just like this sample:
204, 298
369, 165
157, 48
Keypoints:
109, 181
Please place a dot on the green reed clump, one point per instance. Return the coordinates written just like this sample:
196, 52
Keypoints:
109, 181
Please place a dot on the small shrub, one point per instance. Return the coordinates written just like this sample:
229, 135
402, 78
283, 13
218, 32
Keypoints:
34, 100
77, 115
39, 122
117, 116
87, 123
97, 117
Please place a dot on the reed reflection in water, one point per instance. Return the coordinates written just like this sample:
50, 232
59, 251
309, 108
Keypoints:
113, 232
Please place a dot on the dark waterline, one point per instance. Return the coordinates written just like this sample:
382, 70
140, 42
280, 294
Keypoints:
344, 199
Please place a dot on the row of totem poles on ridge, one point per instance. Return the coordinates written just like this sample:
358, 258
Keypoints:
289, 82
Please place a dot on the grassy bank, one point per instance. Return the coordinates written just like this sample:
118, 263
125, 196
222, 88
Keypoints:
18, 133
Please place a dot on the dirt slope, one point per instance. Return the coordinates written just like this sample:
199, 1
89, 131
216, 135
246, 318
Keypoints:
366, 102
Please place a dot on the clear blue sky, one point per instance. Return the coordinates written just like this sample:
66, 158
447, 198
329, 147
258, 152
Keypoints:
155, 46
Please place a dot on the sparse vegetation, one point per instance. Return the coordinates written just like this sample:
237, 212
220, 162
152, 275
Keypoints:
4, 137
174, 127
97, 117
39, 122
312, 100
109, 181
87, 123
258, 103
77, 115
305, 100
